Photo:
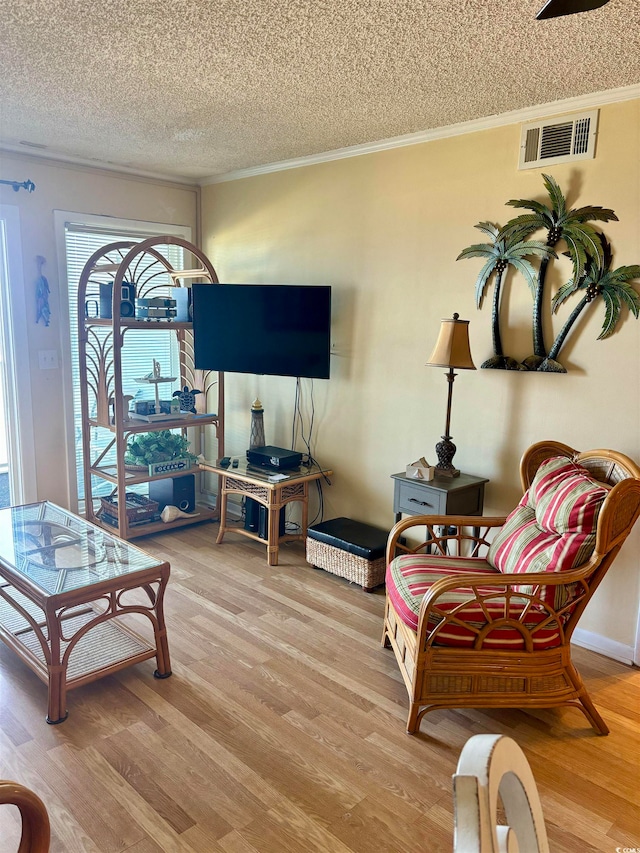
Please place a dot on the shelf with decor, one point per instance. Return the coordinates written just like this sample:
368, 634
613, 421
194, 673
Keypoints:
133, 426
117, 283
134, 477
133, 323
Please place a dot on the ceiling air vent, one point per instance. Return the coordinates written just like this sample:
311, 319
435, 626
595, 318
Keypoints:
558, 140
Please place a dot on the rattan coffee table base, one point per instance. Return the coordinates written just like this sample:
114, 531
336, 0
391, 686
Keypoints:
68, 593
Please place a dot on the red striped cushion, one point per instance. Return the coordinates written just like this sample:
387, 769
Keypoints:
553, 528
410, 576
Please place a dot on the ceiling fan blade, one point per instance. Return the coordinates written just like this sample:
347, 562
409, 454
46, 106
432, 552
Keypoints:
557, 8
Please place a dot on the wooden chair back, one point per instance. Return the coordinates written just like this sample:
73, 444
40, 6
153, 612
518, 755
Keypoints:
619, 512
606, 466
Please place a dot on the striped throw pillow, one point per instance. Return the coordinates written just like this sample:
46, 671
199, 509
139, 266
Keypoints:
553, 528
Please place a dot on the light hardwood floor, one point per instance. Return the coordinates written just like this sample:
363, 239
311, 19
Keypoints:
282, 729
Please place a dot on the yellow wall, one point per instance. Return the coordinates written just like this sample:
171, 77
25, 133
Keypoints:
60, 187
384, 230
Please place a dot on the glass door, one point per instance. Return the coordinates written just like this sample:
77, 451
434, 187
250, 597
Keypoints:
5, 480
17, 463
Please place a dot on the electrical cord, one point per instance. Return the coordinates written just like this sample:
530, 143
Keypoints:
294, 420
298, 431
298, 419
319, 516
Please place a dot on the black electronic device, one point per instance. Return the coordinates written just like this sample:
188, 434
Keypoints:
156, 307
182, 297
274, 329
174, 491
127, 300
156, 313
274, 457
256, 519
155, 302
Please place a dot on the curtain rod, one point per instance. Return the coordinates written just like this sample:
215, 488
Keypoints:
27, 185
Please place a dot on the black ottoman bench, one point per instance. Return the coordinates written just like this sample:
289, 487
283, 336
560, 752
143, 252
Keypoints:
351, 549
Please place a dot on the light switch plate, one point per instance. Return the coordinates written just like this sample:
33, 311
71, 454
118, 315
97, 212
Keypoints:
48, 359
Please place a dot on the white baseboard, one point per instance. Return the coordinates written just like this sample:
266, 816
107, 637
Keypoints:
603, 645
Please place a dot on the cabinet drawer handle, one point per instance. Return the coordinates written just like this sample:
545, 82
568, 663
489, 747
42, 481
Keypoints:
416, 501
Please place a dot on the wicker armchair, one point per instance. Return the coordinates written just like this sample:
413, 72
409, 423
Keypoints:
36, 834
475, 620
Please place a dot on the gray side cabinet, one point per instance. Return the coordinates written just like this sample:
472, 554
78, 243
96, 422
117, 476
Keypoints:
463, 495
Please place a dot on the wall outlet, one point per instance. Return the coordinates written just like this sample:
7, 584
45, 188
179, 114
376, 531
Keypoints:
48, 359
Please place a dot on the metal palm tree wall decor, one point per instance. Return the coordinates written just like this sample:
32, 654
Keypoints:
612, 286
504, 250
590, 255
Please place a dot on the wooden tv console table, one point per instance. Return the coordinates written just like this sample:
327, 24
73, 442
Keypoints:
260, 485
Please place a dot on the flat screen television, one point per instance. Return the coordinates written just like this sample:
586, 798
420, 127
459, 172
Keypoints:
273, 329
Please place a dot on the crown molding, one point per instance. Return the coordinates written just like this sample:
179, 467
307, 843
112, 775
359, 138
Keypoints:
581, 102
595, 99
50, 157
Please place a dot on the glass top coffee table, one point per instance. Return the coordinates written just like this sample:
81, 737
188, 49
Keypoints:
65, 586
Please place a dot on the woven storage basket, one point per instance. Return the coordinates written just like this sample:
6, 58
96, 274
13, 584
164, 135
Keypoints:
139, 508
367, 573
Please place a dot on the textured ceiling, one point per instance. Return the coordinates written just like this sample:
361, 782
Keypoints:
197, 88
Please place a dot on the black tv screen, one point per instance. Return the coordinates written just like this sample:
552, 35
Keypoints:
275, 329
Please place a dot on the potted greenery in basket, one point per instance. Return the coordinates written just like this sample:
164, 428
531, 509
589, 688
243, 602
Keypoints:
150, 448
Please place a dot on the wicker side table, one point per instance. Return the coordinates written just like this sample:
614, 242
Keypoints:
272, 490
350, 549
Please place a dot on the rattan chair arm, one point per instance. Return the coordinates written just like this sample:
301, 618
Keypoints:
496, 578
36, 833
488, 579
431, 521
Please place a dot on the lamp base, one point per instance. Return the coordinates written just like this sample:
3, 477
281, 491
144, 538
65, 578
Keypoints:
446, 472
445, 451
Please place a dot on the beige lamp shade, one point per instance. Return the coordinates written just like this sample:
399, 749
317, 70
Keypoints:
452, 347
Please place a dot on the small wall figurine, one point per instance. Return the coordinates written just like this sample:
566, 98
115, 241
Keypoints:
43, 312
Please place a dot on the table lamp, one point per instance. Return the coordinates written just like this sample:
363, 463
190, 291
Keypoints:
453, 352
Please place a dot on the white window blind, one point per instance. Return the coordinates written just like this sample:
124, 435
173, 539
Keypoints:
139, 351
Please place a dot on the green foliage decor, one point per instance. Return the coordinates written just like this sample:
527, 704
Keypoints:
162, 446
590, 254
